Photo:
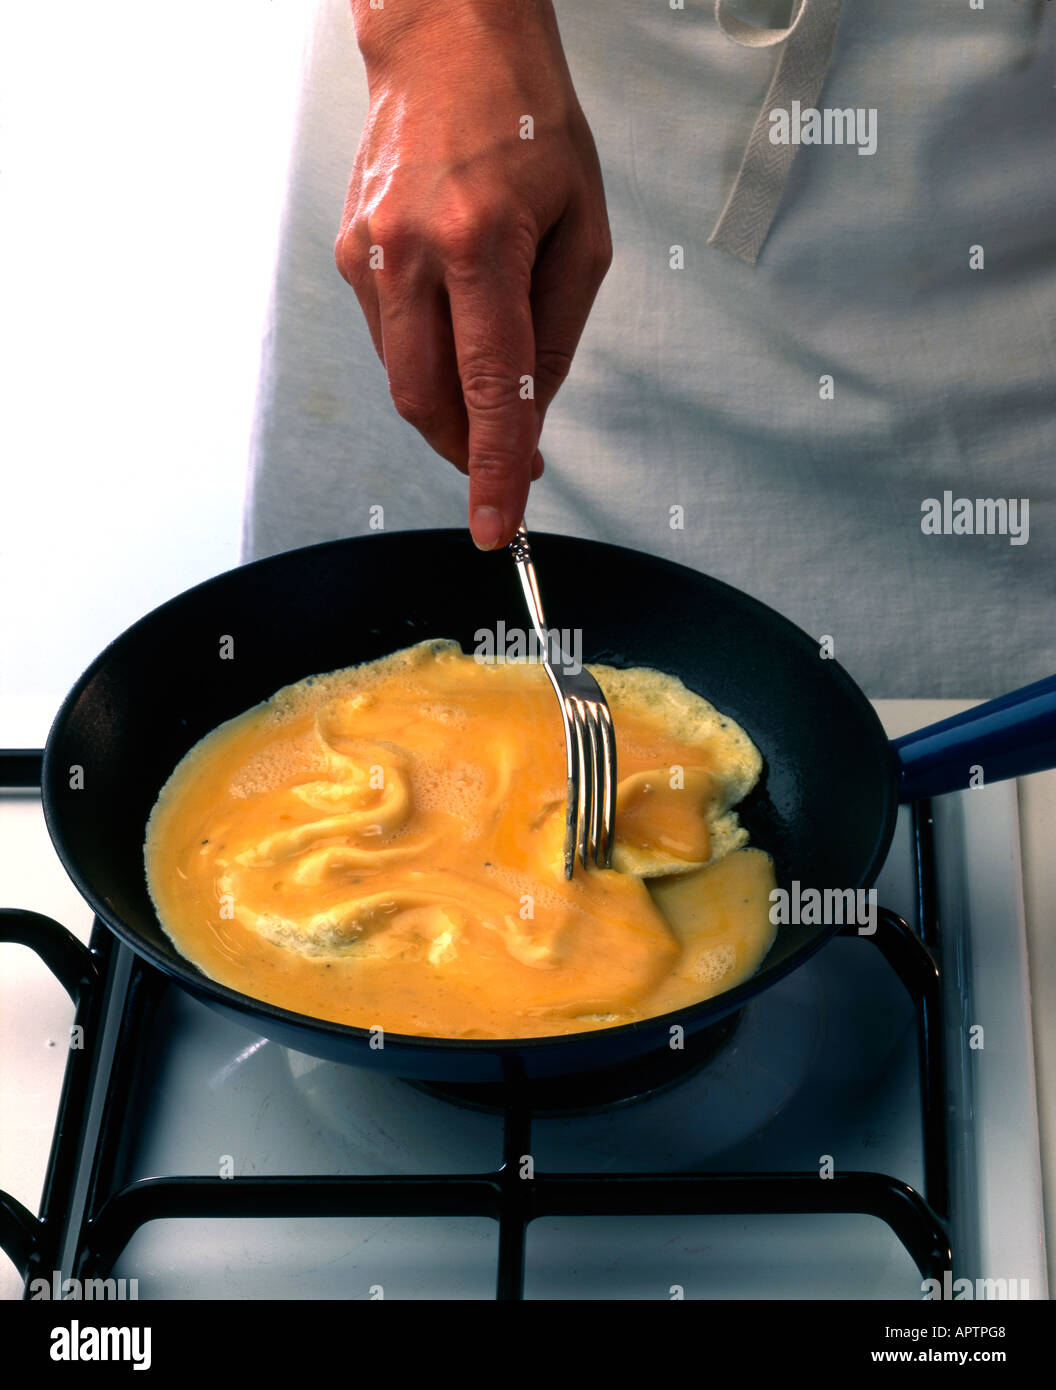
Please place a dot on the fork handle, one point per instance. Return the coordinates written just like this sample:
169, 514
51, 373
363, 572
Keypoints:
521, 551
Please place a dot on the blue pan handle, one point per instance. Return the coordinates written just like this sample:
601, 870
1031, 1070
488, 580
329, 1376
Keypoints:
1007, 737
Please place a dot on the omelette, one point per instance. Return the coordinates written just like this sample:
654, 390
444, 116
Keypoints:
382, 846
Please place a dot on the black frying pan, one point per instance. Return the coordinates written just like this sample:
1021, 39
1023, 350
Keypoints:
825, 807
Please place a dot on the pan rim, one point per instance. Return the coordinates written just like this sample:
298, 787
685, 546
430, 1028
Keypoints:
186, 974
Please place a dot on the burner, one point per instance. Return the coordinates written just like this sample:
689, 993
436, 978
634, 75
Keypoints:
593, 1092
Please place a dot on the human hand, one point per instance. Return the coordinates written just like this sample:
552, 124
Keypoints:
475, 253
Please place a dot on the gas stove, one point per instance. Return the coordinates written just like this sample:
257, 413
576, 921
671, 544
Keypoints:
865, 1129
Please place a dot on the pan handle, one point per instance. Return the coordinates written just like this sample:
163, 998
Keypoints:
1007, 737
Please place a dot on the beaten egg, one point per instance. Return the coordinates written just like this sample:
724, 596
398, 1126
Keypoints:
383, 846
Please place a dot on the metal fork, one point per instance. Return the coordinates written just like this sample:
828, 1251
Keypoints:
590, 743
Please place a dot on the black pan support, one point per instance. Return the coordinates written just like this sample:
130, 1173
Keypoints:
114, 1209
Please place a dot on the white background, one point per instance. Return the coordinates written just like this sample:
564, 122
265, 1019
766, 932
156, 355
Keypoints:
143, 150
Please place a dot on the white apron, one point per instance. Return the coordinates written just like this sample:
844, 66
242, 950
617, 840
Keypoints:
857, 426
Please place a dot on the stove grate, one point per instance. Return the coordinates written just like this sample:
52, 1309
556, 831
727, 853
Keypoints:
112, 1211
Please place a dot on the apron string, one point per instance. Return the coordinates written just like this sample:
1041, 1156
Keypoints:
800, 73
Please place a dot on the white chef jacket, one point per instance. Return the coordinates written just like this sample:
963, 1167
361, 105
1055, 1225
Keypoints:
792, 424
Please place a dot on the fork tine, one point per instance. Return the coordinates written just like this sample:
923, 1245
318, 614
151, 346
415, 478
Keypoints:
576, 782
585, 799
603, 767
574, 764
590, 720
607, 800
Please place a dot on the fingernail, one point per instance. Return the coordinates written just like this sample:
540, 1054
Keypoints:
486, 526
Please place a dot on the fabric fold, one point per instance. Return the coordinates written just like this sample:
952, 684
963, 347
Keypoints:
806, 48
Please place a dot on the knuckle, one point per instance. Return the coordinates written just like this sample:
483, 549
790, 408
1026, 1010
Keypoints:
351, 255
494, 468
489, 386
385, 227
552, 365
466, 230
601, 252
381, 225
462, 230
343, 258
421, 412
460, 249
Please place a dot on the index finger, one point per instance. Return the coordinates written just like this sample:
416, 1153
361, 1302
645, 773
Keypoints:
491, 318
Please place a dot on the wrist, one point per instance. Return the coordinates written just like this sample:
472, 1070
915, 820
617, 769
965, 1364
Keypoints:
403, 30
